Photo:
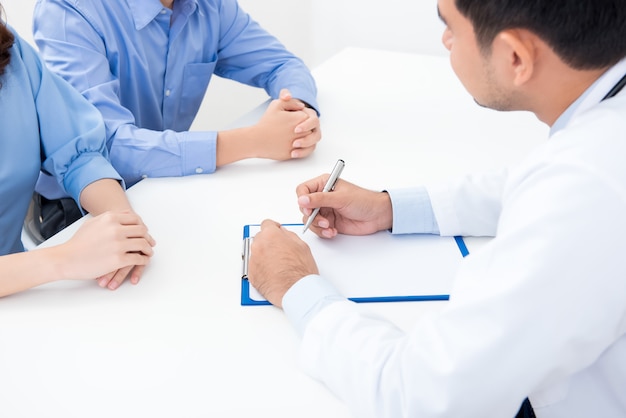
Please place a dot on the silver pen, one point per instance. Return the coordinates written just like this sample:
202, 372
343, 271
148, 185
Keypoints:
328, 187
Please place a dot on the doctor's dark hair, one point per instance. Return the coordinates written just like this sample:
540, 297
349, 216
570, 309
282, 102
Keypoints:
585, 34
6, 42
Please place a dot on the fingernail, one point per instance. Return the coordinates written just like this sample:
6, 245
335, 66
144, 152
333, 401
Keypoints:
304, 200
113, 285
297, 144
298, 130
294, 154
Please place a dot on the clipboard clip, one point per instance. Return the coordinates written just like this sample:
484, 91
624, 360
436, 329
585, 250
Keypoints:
245, 256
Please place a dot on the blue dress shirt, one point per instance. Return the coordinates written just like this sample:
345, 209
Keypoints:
46, 125
147, 68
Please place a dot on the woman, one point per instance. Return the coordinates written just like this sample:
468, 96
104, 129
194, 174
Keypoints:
45, 125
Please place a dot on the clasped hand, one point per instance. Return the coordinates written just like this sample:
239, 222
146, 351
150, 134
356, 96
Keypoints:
108, 247
287, 129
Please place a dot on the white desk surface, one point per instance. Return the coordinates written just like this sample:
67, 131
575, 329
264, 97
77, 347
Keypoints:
179, 344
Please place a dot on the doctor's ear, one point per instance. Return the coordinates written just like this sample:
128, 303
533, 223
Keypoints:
519, 48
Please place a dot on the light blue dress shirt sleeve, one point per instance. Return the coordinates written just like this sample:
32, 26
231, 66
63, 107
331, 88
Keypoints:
43, 117
306, 298
412, 213
147, 69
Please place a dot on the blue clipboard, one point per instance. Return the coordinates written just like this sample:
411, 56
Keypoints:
381, 267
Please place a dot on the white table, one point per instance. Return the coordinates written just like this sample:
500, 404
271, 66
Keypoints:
179, 344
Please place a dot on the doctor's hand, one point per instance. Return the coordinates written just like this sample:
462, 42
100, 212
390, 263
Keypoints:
109, 246
348, 209
278, 259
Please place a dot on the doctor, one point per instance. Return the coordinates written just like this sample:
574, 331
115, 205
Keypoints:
537, 317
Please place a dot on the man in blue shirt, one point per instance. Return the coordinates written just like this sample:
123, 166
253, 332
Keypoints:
146, 66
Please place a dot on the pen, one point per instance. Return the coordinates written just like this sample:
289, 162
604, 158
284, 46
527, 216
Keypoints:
328, 187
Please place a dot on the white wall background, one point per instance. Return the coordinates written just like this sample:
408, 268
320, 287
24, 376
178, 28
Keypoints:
312, 29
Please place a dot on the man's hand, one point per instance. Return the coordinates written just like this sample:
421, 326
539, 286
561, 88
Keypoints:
348, 209
288, 129
308, 132
278, 259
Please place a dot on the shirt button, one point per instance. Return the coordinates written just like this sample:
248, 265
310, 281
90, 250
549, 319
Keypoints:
163, 11
199, 170
167, 92
144, 176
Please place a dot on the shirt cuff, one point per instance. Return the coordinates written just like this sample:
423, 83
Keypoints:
412, 211
199, 152
310, 106
306, 298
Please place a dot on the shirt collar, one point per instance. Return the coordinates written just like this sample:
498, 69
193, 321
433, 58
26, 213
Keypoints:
592, 96
145, 11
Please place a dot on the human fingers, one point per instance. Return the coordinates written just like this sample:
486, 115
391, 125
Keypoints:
287, 102
122, 274
135, 226
321, 226
269, 224
309, 140
103, 281
118, 278
310, 186
318, 199
311, 124
285, 94
126, 217
136, 273
134, 261
124, 224
293, 105
316, 184
130, 252
302, 152
137, 245
137, 231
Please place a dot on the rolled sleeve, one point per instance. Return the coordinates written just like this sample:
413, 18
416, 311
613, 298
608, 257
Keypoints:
84, 170
71, 131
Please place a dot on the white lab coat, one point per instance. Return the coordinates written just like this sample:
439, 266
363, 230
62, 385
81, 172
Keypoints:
540, 311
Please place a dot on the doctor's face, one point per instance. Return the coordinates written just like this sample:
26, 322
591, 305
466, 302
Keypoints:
474, 68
